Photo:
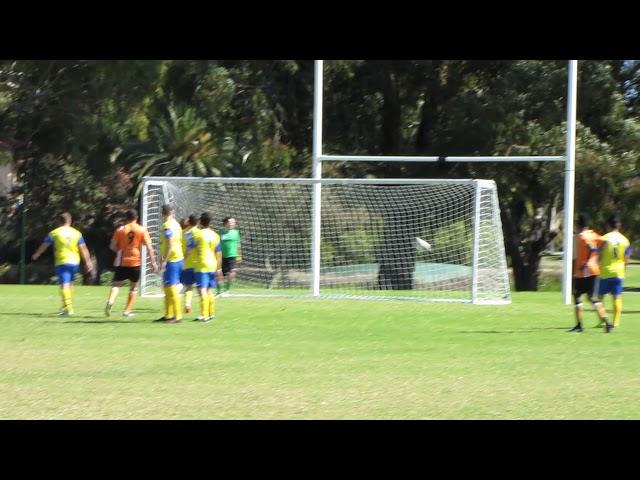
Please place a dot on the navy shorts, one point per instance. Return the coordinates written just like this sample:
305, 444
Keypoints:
206, 279
172, 273
66, 272
610, 285
188, 276
228, 265
585, 286
127, 273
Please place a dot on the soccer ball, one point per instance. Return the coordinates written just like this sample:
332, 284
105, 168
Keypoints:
423, 243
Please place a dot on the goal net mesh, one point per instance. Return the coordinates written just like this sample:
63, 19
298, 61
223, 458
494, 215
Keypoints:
437, 240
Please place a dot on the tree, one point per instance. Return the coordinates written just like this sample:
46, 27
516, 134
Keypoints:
493, 107
178, 145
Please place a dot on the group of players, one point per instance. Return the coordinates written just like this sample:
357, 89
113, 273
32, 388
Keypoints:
194, 254
191, 254
598, 269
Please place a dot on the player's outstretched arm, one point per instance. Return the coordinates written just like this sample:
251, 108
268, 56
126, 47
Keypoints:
40, 251
113, 246
86, 257
219, 275
152, 255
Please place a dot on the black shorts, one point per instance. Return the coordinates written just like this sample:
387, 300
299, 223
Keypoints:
585, 285
228, 265
127, 273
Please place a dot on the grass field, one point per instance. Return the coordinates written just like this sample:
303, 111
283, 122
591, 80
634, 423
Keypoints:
315, 359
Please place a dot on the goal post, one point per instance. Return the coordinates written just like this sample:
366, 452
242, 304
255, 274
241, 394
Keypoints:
403, 239
568, 158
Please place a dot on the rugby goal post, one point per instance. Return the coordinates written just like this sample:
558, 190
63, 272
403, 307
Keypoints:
568, 158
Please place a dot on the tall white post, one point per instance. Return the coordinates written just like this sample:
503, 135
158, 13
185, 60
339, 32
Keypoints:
317, 175
569, 181
476, 242
144, 216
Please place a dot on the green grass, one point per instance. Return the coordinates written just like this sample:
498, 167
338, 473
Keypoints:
314, 359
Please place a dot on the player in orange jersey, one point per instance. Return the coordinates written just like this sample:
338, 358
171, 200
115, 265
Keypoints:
126, 242
586, 271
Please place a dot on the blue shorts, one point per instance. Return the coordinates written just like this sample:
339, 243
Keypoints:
65, 272
188, 277
206, 279
610, 285
172, 272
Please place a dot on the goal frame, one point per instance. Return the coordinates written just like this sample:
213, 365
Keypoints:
478, 185
569, 158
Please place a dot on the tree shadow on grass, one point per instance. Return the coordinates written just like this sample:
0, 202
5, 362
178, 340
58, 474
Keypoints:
624, 312
85, 318
27, 314
523, 330
93, 320
105, 321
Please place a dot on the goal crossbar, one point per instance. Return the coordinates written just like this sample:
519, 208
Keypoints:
311, 181
432, 159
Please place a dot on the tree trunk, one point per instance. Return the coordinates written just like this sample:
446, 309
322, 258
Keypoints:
391, 116
397, 256
525, 253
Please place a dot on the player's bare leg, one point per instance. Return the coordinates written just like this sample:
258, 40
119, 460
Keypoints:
133, 293
578, 313
115, 288
229, 280
602, 314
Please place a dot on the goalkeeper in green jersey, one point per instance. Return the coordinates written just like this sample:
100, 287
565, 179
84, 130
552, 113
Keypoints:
231, 257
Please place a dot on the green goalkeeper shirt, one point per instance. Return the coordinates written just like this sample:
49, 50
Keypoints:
230, 242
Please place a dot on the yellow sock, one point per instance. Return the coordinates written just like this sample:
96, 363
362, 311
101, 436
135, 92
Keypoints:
175, 297
66, 299
187, 298
204, 305
617, 311
212, 304
168, 304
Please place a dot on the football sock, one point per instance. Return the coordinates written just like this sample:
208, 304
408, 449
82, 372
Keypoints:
130, 300
617, 311
212, 304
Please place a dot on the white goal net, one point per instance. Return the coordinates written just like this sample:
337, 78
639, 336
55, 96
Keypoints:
430, 240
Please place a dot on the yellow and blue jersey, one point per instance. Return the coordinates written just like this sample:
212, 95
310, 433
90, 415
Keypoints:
612, 255
171, 241
189, 260
205, 243
66, 243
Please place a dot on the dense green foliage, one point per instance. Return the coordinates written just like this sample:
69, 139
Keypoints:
81, 134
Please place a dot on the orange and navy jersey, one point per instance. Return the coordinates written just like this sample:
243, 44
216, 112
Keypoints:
129, 239
585, 263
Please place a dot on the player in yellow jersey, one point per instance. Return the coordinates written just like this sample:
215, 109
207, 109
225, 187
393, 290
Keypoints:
614, 256
207, 252
68, 245
172, 261
187, 278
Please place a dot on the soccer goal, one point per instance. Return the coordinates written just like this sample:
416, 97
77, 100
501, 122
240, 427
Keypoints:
425, 240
